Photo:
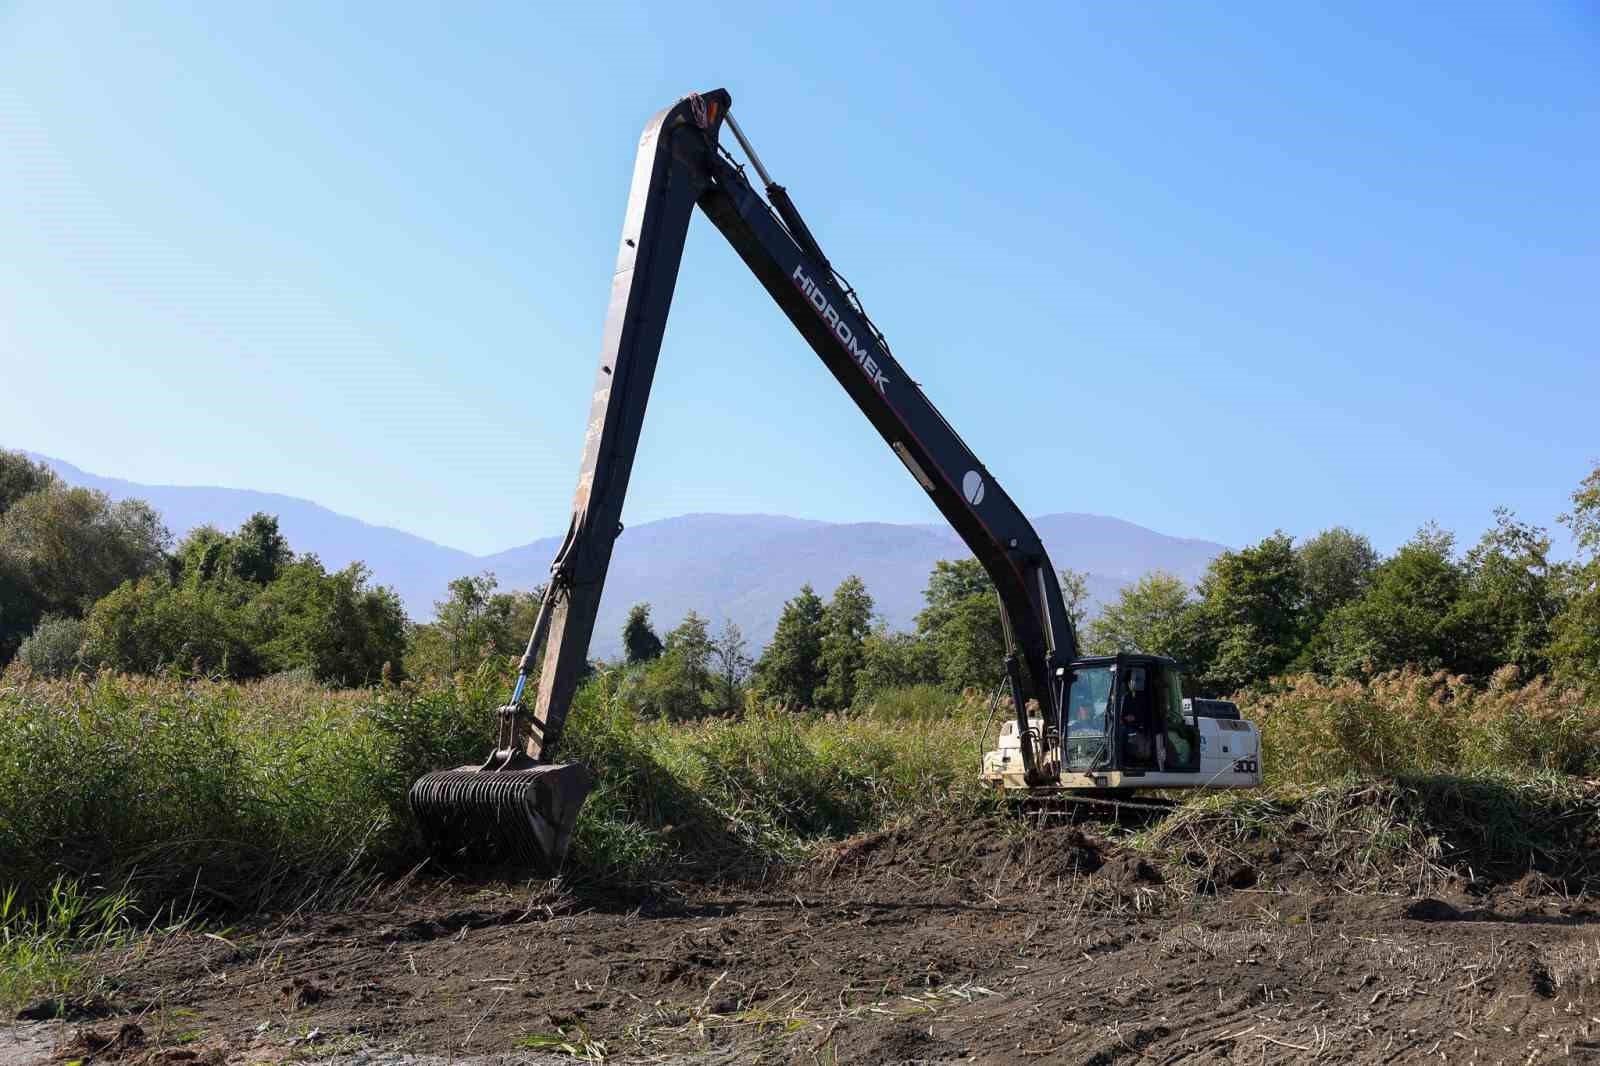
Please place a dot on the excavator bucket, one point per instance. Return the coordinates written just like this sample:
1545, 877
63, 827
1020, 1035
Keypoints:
517, 807
518, 813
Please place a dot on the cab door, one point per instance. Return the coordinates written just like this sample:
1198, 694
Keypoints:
1180, 740
1138, 728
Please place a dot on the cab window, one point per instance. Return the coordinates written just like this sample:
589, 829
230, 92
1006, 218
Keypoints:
1084, 738
1182, 740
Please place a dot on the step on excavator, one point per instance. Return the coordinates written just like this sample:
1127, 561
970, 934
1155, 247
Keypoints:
1103, 725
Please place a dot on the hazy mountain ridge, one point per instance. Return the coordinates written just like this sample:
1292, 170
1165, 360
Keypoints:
417, 568
728, 567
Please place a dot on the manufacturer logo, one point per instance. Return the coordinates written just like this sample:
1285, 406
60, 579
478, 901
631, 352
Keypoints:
972, 487
863, 358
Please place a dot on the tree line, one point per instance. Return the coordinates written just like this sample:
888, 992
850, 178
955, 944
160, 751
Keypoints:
90, 584
1329, 606
1332, 607
87, 583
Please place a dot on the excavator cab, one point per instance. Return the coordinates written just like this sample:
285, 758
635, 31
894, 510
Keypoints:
1126, 712
1125, 726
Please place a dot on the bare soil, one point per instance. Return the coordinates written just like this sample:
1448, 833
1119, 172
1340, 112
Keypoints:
934, 942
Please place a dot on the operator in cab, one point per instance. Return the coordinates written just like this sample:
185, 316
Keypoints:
1086, 717
1136, 739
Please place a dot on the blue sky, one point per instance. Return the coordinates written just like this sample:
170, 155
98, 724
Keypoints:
1215, 269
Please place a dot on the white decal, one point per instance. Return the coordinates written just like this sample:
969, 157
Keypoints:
840, 329
972, 486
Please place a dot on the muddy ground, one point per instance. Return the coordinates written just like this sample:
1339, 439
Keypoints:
931, 943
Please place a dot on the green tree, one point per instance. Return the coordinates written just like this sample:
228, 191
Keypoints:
254, 554
639, 641
1584, 518
953, 581
678, 682
731, 656
61, 549
1248, 625
689, 644
790, 667
845, 623
206, 615
260, 552
1154, 615
149, 625
961, 622
892, 660
338, 626
1407, 617
202, 557
472, 624
1510, 598
1075, 593
1574, 648
75, 545
21, 476
1336, 568
970, 645
18, 608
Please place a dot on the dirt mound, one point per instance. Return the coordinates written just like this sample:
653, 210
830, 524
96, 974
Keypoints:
897, 1044
1483, 842
130, 1045
1486, 848
955, 859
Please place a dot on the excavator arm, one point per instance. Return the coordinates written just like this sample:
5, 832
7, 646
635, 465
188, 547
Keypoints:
680, 165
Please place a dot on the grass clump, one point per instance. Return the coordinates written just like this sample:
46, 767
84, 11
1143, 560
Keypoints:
48, 952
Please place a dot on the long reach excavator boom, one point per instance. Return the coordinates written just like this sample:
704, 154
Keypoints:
520, 796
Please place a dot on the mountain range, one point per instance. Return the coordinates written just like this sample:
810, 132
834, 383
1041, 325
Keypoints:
728, 567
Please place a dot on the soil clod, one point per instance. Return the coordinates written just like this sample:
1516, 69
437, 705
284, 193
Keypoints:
1431, 910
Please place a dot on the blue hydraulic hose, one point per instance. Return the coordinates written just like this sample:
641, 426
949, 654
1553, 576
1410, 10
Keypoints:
533, 642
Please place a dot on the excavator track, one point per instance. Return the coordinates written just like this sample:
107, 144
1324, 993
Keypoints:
1076, 807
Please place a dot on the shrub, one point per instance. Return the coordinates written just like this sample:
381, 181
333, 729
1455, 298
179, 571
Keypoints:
52, 649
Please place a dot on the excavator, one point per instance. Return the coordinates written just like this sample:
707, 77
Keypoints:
1109, 725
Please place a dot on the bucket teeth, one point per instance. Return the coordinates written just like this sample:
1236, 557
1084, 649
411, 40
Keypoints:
488, 815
